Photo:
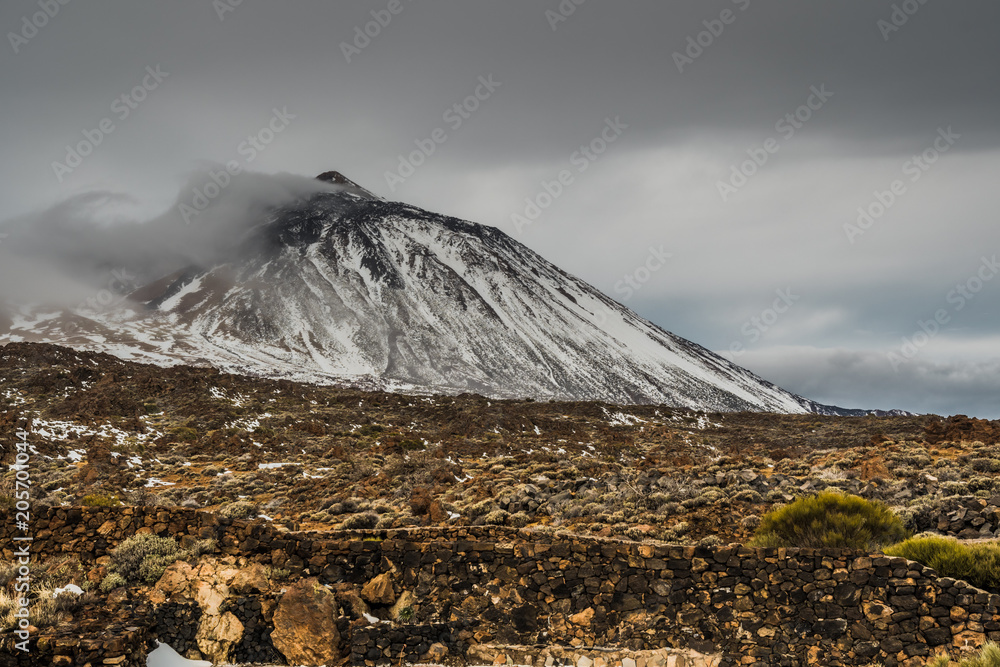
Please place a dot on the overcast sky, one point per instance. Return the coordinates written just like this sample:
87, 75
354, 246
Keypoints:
832, 99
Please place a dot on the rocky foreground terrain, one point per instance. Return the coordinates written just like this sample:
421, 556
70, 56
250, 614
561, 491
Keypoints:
108, 431
277, 480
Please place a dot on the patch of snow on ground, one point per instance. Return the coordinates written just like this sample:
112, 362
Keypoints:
622, 419
164, 656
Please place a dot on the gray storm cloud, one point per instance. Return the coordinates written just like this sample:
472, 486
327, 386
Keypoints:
362, 103
58, 256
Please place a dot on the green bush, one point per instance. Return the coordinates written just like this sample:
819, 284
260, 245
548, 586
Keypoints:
988, 656
142, 558
412, 445
830, 520
978, 564
99, 500
112, 581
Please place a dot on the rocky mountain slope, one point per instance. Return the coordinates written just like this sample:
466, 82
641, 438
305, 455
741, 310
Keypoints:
341, 286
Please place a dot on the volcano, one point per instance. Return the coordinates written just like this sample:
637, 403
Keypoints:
342, 286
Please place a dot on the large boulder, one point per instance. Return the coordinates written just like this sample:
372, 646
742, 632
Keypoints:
305, 625
208, 585
217, 635
250, 579
176, 579
379, 590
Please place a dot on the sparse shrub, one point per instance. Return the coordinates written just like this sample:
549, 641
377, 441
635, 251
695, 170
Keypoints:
112, 581
211, 471
979, 483
830, 520
184, 434
349, 506
100, 500
276, 573
481, 508
655, 500
978, 564
711, 495
361, 521
241, 509
45, 606
520, 519
144, 557
748, 496
202, 547
670, 508
954, 488
151, 408
988, 656
412, 445
497, 517
143, 497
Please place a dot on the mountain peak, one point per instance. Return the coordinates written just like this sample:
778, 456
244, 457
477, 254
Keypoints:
337, 178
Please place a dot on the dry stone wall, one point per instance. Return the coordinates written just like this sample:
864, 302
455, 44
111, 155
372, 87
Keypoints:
475, 588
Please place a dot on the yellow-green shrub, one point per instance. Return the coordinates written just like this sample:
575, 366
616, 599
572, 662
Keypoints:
978, 564
828, 520
100, 500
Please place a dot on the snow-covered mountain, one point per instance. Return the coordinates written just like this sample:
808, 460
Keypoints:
345, 287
